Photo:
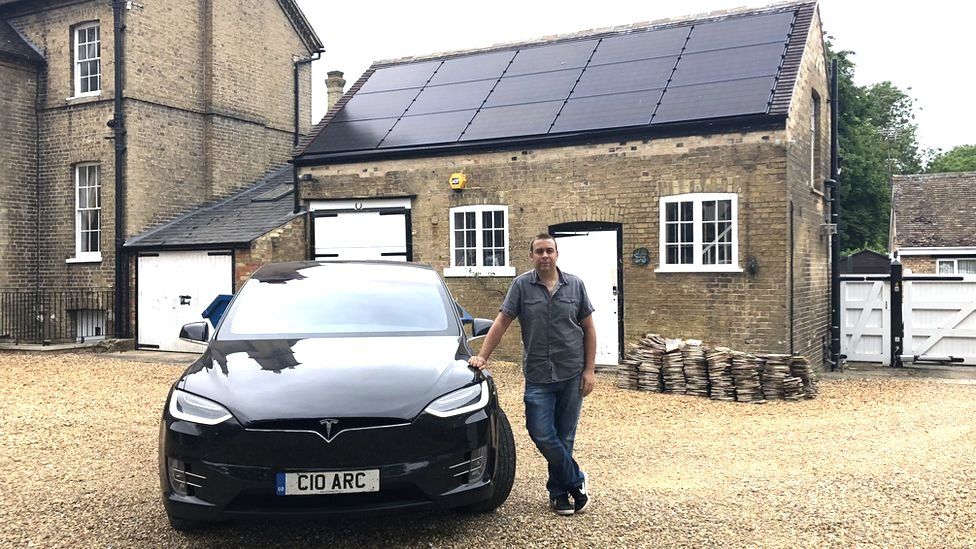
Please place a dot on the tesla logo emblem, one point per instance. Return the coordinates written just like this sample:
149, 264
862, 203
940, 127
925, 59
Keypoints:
328, 426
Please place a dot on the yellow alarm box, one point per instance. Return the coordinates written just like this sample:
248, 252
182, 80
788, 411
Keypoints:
457, 181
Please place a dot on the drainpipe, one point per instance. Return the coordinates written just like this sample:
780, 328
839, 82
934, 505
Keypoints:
295, 66
834, 187
118, 125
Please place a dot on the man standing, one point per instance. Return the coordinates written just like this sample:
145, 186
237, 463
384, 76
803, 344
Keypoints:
558, 362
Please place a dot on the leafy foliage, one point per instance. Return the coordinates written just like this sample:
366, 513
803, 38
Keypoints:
959, 159
877, 139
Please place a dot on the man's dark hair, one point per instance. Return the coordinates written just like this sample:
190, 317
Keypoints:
542, 236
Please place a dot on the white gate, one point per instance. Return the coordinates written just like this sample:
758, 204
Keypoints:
174, 289
865, 321
592, 256
940, 318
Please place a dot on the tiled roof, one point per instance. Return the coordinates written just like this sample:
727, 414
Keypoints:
13, 45
317, 147
934, 210
236, 221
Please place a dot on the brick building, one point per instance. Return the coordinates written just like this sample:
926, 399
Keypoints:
203, 113
933, 222
680, 165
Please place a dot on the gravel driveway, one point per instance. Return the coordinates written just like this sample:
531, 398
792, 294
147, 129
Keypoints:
877, 462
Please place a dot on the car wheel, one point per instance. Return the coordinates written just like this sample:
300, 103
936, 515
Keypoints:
504, 469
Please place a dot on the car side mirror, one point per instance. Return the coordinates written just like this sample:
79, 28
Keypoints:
480, 327
195, 332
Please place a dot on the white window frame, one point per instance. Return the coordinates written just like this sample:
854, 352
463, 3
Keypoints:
76, 61
87, 256
480, 270
954, 262
698, 266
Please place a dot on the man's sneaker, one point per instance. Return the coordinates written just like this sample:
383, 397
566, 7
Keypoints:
562, 506
581, 500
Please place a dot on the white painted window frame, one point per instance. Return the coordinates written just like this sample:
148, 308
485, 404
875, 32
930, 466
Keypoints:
76, 61
480, 270
90, 256
697, 223
954, 262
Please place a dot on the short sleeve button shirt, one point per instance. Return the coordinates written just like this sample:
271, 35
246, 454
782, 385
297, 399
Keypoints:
551, 330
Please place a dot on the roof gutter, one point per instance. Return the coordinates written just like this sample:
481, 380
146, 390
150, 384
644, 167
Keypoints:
745, 123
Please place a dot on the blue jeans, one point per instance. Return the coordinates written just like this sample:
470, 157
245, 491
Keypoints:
551, 413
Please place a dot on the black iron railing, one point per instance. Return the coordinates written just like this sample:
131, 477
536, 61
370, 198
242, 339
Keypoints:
56, 316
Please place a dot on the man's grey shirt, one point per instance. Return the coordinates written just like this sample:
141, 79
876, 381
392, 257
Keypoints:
551, 330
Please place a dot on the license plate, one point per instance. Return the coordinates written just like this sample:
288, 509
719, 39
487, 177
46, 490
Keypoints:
327, 482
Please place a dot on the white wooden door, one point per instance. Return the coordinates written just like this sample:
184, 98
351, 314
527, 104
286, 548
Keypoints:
174, 289
865, 321
361, 235
592, 256
940, 318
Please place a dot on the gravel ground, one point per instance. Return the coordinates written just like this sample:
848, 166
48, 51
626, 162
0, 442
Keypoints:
886, 462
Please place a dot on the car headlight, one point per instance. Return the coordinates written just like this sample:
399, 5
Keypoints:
461, 401
196, 409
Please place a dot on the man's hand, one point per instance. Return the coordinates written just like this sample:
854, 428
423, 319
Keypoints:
587, 382
477, 362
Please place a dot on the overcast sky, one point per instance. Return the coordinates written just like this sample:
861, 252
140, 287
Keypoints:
923, 47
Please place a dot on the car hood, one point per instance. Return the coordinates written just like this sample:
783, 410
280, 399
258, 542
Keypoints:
377, 377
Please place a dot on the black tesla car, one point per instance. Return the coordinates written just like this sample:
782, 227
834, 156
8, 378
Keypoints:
334, 388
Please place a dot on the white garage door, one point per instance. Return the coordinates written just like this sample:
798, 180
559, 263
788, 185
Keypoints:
592, 256
370, 229
174, 289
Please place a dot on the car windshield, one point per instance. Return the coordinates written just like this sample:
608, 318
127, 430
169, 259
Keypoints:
341, 299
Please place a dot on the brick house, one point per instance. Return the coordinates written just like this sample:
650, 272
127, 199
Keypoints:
933, 222
679, 163
203, 114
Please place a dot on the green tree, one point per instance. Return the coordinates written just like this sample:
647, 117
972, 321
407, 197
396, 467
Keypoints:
877, 139
958, 159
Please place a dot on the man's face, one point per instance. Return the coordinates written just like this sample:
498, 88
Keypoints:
544, 255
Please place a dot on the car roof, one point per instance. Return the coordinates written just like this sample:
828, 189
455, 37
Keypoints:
282, 270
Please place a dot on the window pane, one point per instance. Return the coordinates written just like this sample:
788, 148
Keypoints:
709, 233
672, 255
946, 267
967, 266
93, 242
486, 219
686, 254
500, 257
470, 257
458, 220
459, 258
687, 209
672, 233
469, 240
469, 220
671, 210
725, 210
687, 232
488, 238
708, 211
499, 219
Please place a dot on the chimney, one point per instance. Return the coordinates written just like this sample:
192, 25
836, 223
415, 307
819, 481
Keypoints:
334, 84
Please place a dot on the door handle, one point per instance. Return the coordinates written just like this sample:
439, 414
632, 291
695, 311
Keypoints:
614, 290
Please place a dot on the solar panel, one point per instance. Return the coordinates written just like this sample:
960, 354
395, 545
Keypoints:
715, 100
645, 74
566, 55
640, 45
512, 121
607, 111
481, 66
740, 31
451, 97
727, 64
351, 136
532, 88
428, 129
410, 75
365, 106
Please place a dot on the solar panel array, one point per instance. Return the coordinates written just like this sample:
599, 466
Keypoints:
709, 70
